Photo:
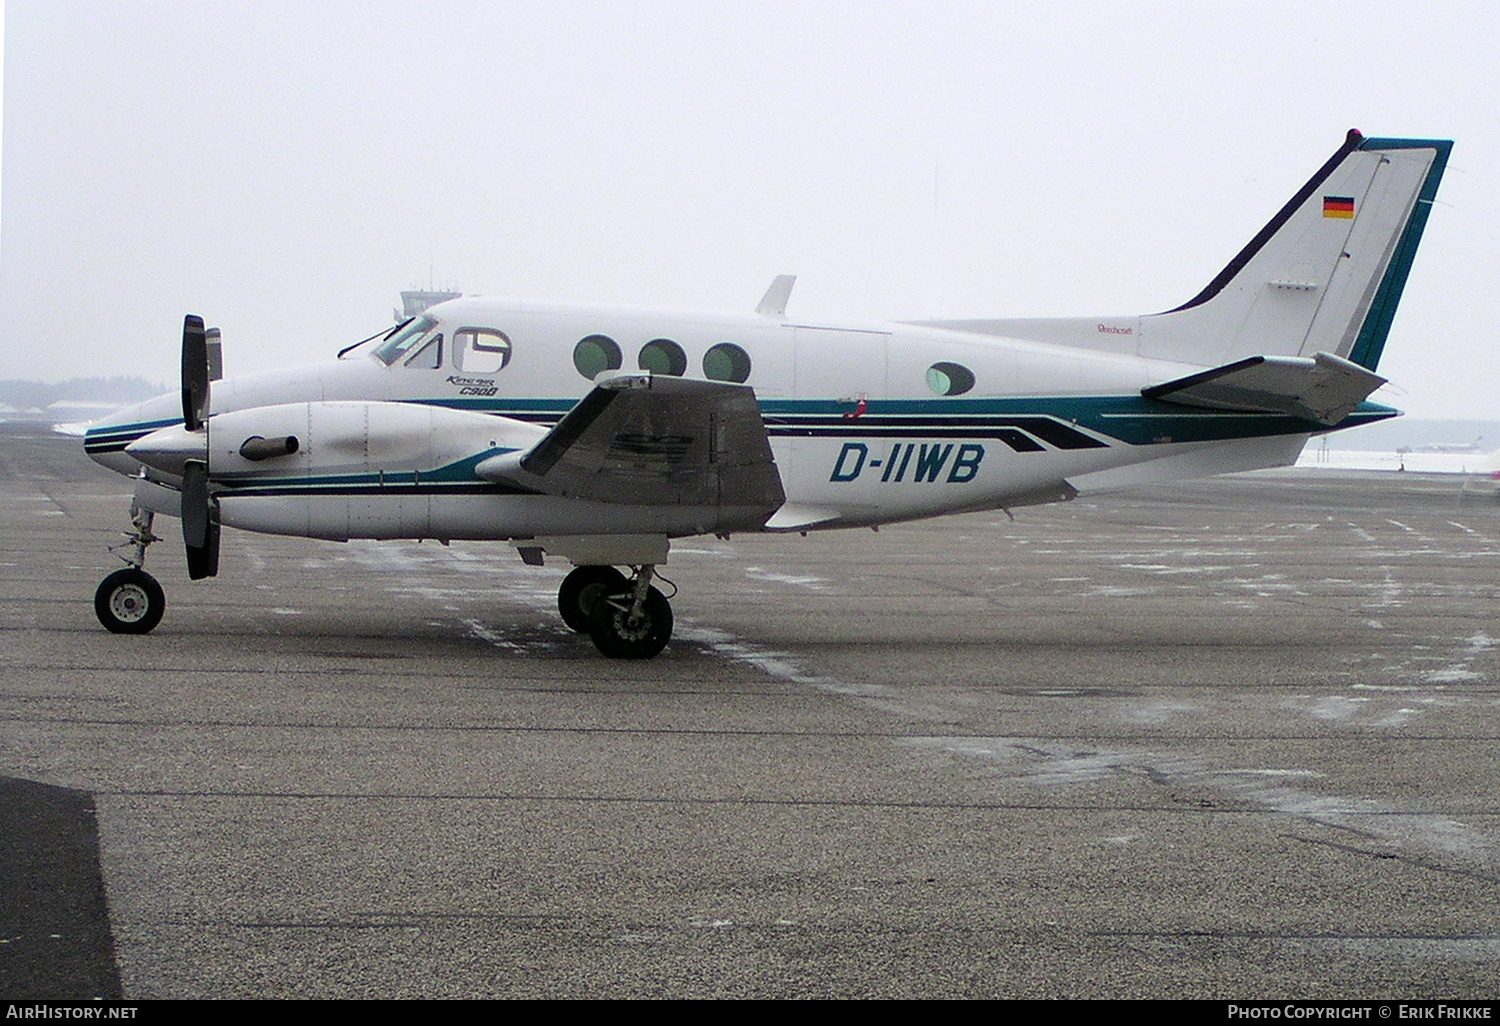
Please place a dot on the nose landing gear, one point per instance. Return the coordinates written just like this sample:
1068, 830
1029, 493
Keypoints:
129, 601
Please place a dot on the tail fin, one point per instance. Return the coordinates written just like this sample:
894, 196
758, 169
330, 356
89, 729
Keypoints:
1325, 275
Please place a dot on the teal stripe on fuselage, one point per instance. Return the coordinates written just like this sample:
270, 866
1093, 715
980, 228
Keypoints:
1131, 419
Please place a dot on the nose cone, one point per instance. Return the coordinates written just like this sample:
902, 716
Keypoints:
170, 448
106, 439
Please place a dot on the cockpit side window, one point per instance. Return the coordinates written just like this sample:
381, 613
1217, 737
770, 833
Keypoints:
404, 341
480, 350
430, 356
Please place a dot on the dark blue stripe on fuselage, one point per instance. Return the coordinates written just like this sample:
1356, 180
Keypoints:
115, 439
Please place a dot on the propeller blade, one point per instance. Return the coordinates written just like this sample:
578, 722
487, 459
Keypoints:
195, 504
215, 341
204, 562
194, 372
200, 522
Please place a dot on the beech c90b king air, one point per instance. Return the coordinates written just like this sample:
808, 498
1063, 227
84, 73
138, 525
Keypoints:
487, 419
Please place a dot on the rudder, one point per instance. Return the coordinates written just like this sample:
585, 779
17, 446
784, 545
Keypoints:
1325, 274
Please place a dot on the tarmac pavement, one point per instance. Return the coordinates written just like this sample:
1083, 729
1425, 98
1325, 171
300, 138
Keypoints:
1228, 739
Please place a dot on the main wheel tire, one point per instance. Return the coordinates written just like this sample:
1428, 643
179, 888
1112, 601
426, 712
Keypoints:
619, 636
129, 601
581, 590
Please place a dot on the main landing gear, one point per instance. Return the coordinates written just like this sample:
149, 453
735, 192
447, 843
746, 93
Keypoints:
129, 601
627, 618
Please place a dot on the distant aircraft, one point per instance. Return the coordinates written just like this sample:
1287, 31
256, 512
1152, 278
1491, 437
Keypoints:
1427, 460
489, 419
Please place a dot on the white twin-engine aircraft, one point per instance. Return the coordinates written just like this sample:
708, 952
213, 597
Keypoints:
487, 419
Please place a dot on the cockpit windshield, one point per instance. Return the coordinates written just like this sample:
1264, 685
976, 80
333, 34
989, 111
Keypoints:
405, 340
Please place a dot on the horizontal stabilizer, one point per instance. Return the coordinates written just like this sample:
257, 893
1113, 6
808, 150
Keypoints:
650, 440
1324, 388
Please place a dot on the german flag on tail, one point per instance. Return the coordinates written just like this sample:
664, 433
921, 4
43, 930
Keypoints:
1338, 206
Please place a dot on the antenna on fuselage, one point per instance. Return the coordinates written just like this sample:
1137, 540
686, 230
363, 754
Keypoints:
773, 303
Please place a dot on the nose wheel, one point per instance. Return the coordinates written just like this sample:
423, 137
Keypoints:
129, 601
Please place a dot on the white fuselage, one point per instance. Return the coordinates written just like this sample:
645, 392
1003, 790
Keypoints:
856, 416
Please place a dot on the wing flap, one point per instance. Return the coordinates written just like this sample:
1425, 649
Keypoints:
1323, 388
649, 440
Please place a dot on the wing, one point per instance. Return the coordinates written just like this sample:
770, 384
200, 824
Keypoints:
647, 440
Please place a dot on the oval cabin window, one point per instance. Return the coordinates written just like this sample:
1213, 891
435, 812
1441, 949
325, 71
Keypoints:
949, 378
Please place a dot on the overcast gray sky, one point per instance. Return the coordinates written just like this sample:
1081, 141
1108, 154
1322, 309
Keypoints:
285, 169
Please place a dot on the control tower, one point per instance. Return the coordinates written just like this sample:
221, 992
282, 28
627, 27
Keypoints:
414, 301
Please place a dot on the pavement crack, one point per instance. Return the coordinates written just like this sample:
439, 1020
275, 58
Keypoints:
1411, 860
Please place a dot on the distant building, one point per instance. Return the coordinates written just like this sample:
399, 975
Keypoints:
414, 301
77, 399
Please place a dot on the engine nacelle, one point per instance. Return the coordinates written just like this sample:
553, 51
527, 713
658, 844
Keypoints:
350, 469
340, 438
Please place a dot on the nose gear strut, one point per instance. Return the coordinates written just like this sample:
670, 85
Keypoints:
129, 601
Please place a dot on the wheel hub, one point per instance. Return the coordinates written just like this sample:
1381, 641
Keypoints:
631, 627
129, 603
